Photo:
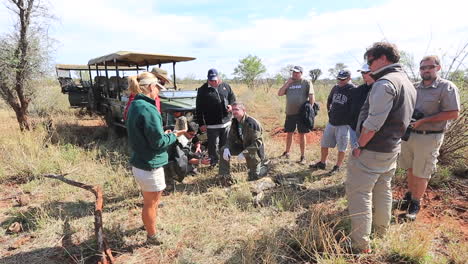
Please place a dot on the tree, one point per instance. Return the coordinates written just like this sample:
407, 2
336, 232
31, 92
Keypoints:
23, 56
315, 74
285, 72
249, 69
409, 65
338, 67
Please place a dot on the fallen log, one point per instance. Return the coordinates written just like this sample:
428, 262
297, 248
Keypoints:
103, 246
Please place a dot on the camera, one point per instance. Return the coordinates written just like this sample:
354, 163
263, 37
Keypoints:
415, 117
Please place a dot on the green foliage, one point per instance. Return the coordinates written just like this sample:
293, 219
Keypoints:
249, 69
315, 74
409, 65
334, 71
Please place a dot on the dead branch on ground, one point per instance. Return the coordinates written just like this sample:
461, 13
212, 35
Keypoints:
103, 247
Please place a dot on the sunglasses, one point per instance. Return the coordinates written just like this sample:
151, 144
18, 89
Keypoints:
428, 67
370, 61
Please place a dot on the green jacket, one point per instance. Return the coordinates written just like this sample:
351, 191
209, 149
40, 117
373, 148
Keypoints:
247, 132
146, 134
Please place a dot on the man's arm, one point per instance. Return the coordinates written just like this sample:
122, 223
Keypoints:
284, 88
330, 98
380, 103
199, 111
442, 116
311, 93
311, 99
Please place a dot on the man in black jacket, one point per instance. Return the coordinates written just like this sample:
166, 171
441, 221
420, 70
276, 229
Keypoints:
213, 113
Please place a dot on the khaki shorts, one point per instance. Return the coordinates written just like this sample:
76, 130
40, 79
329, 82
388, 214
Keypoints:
150, 181
420, 153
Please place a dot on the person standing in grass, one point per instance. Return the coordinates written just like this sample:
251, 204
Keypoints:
439, 101
213, 112
297, 91
149, 143
339, 114
358, 97
382, 122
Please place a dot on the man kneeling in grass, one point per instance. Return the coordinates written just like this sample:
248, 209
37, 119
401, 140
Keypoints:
244, 140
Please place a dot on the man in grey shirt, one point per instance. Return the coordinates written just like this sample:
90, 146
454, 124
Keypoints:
439, 101
297, 91
382, 122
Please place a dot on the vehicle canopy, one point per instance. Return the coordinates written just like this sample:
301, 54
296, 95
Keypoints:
130, 58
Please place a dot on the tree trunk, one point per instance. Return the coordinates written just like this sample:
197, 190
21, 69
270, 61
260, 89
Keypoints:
22, 118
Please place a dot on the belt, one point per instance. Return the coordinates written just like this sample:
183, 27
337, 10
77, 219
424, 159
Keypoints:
425, 132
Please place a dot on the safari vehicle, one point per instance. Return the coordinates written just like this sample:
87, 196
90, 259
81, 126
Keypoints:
74, 80
109, 94
70, 77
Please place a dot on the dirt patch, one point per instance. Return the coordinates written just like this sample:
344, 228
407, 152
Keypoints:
443, 207
312, 137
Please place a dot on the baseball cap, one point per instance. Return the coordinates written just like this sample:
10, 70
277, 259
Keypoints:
343, 74
364, 68
297, 69
212, 74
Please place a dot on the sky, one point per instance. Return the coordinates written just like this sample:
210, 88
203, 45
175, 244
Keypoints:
312, 34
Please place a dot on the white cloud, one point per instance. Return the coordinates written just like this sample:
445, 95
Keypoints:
93, 28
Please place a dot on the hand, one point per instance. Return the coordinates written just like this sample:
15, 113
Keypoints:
167, 131
229, 108
206, 161
357, 152
179, 133
417, 124
241, 157
290, 80
198, 148
226, 154
203, 128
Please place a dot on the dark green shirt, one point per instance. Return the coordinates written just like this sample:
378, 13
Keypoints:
146, 135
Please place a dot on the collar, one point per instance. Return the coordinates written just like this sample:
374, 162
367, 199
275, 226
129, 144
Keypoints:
394, 67
242, 120
144, 98
434, 84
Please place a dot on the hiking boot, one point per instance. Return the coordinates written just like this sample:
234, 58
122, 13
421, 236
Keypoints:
335, 169
402, 204
153, 240
413, 210
302, 160
318, 166
285, 155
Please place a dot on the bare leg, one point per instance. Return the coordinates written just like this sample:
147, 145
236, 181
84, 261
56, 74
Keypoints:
289, 138
409, 179
324, 154
341, 156
302, 142
418, 186
150, 211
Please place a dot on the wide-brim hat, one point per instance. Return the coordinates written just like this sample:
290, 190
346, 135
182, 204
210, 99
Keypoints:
161, 74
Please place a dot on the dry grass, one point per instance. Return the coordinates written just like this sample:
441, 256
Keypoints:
201, 222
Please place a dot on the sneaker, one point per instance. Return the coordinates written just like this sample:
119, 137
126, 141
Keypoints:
318, 166
302, 160
402, 204
335, 169
153, 240
285, 155
413, 210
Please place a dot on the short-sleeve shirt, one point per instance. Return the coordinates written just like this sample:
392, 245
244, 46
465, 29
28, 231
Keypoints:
296, 95
441, 96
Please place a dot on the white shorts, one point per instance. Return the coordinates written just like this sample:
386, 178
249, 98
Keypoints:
335, 136
150, 181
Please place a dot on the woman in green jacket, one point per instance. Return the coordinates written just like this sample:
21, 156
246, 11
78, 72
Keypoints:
149, 143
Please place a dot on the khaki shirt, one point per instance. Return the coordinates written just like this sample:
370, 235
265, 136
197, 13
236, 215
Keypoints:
441, 96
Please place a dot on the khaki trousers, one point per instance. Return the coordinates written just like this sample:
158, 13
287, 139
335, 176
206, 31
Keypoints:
368, 185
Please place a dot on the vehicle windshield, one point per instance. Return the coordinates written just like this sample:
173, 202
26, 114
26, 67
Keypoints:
178, 94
